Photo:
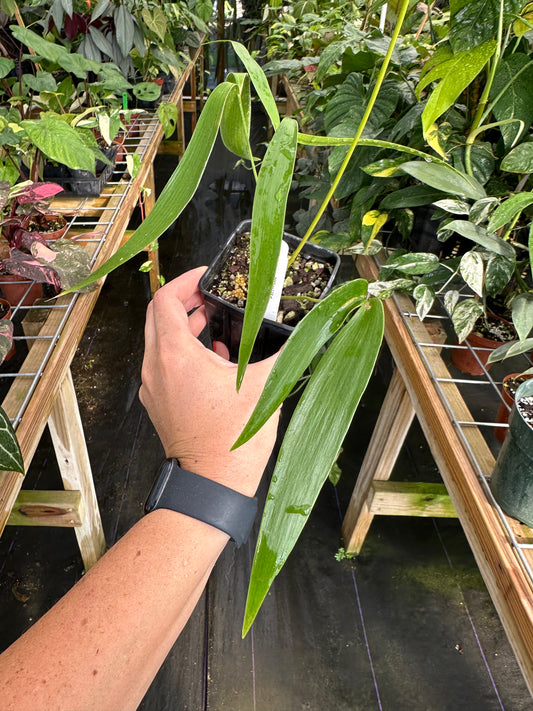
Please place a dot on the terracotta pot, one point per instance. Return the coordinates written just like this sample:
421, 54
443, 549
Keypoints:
19, 291
466, 361
54, 233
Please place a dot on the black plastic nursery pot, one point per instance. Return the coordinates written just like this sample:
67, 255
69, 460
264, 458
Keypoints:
512, 479
225, 320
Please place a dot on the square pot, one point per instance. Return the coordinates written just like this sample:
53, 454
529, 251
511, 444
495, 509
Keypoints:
225, 320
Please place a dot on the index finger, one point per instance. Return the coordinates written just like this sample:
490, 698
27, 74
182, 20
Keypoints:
185, 288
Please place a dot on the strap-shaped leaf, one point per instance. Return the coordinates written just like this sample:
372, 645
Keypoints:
268, 219
10, 454
315, 330
330, 399
236, 120
259, 81
179, 189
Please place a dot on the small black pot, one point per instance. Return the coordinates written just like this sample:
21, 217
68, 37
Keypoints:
225, 320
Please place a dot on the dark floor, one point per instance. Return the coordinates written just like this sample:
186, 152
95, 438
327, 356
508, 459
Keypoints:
407, 626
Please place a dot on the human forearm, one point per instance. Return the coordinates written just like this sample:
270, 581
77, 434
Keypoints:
101, 645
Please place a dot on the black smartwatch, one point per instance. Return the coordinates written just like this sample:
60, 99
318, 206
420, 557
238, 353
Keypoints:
180, 490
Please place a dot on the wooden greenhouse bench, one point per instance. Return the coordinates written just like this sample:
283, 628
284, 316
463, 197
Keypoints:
43, 390
422, 386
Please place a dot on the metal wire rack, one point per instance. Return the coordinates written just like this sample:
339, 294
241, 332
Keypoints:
94, 216
482, 395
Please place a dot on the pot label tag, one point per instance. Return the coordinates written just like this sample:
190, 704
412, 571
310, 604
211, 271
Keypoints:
275, 296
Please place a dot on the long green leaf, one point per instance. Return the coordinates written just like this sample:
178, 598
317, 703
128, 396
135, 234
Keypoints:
180, 188
453, 77
445, 178
268, 218
508, 210
10, 454
480, 236
259, 81
236, 119
315, 330
327, 406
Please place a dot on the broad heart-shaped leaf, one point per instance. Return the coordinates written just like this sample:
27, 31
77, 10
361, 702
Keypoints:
179, 189
471, 268
522, 313
453, 77
268, 218
512, 89
476, 21
445, 178
260, 82
314, 331
498, 273
305, 460
6, 65
10, 454
167, 112
236, 119
156, 21
519, 160
464, 317
508, 210
480, 236
59, 142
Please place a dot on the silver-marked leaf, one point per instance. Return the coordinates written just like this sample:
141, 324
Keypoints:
414, 262
464, 317
480, 236
498, 272
471, 268
522, 312
451, 298
424, 297
519, 160
10, 454
124, 27
455, 207
508, 350
508, 210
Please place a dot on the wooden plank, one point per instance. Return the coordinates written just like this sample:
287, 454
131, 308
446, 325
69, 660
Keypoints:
71, 451
392, 426
411, 498
499, 564
47, 508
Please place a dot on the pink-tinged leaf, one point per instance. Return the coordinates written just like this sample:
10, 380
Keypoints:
39, 191
27, 266
42, 252
6, 338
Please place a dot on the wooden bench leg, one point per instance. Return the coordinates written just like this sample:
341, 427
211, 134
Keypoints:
391, 429
71, 450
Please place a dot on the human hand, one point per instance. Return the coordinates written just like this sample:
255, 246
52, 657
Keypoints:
190, 393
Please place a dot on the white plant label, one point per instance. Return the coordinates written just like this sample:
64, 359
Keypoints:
275, 296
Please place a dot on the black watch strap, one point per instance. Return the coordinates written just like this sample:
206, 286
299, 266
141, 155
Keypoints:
180, 490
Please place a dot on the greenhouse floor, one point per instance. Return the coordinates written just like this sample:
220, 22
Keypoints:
406, 626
